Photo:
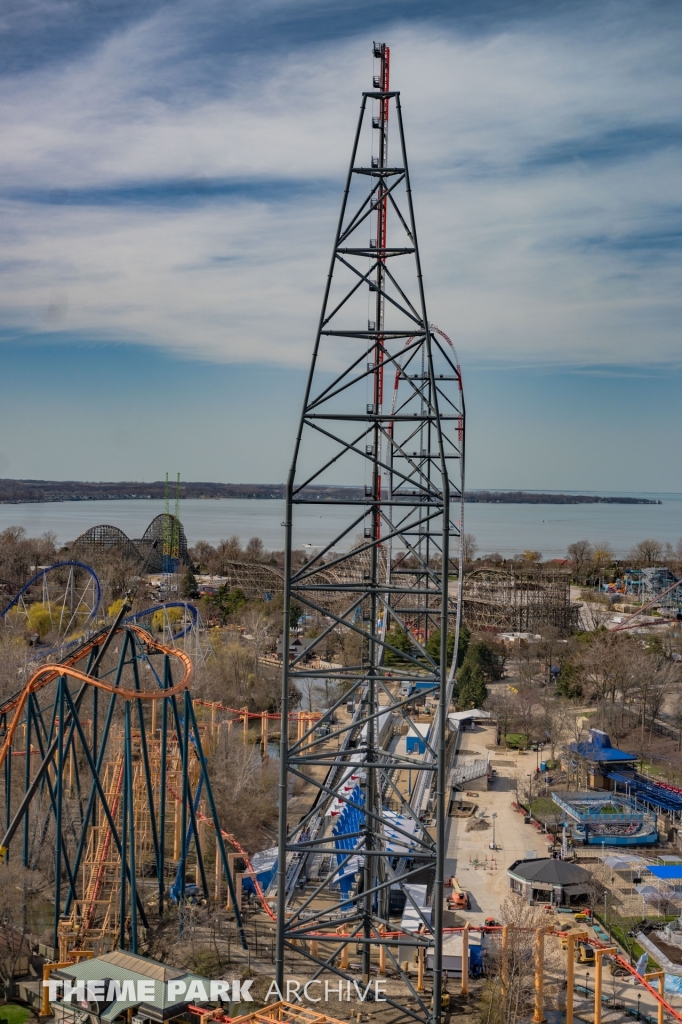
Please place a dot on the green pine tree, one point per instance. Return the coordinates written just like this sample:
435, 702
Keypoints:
432, 645
471, 688
486, 658
400, 639
295, 613
568, 684
189, 586
229, 601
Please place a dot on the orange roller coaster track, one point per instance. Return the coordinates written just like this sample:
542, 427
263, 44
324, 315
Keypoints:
102, 784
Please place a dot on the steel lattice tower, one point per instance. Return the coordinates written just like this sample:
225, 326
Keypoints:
383, 411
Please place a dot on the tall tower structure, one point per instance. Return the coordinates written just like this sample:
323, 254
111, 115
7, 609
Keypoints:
362, 792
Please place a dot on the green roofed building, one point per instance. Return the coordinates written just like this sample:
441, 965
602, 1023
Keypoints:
126, 977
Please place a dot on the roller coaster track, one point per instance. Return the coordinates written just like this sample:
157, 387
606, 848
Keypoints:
102, 852
627, 623
243, 854
42, 574
622, 962
128, 795
335, 935
68, 617
148, 612
48, 673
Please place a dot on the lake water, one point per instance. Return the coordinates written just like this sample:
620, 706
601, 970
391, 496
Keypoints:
505, 528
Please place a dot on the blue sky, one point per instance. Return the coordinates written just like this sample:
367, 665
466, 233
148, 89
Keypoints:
170, 178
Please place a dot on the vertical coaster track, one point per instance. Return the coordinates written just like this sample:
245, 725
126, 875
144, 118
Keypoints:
100, 786
382, 570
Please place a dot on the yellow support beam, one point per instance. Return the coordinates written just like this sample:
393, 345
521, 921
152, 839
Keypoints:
598, 966
661, 989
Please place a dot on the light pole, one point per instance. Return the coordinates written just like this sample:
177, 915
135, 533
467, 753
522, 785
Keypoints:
493, 846
530, 790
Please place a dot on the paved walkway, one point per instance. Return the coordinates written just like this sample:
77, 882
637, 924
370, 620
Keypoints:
480, 870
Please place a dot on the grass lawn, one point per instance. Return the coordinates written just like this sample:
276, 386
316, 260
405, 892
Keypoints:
545, 808
14, 1014
514, 740
619, 928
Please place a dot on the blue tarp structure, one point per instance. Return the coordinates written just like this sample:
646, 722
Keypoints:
668, 871
599, 749
265, 866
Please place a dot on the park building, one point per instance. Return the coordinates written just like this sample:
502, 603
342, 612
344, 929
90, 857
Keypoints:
547, 880
135, 988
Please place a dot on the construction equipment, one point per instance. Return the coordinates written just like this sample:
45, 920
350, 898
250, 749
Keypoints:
616, 969
569, 931
584, 953
459, 899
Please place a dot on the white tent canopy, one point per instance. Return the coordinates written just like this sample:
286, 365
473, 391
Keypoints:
622, 862
456, 719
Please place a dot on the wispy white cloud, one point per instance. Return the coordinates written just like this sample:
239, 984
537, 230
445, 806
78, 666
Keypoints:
545, 160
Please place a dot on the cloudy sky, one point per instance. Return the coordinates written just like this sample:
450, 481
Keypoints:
170, 177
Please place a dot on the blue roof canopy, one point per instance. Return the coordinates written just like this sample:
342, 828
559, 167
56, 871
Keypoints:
598, 748
667, 871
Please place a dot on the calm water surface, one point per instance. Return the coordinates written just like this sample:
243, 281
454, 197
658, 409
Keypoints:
504, 528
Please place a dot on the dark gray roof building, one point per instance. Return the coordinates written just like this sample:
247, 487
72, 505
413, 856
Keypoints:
549, 880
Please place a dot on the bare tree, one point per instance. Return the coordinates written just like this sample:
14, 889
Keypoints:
604, 664
555, 720
310, 692
469, 547
202, 554
522, 921
502, 703
229, 550
655, 678
255, 550
526, 703
19, 888
259, 631
529, 664
676, 715
594, 615
602, 556
647, 552
580, 554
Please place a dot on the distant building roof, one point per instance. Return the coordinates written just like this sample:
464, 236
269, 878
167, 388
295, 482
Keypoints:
297, 644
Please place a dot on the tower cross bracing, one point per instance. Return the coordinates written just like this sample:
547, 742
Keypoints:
381, 571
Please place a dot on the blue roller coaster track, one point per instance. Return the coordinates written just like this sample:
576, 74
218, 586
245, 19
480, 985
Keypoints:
43, 573
189, 610
148, 612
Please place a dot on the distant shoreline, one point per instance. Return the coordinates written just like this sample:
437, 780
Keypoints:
20, 492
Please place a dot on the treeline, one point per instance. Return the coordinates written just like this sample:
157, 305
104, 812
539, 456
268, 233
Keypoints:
592, 561
537, 498
586, 561
16, 491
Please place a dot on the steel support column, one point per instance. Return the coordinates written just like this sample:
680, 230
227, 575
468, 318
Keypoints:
383, 413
